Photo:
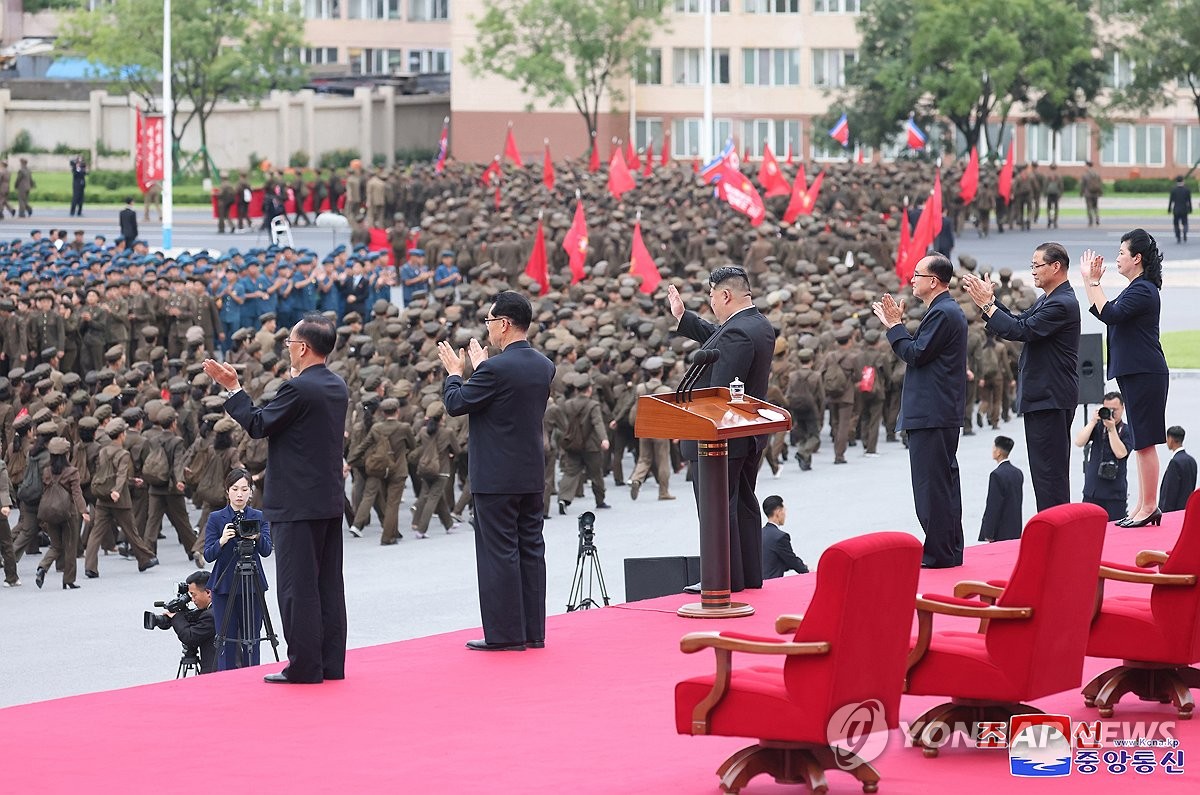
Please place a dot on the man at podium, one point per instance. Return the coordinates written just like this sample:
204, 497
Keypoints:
746, 341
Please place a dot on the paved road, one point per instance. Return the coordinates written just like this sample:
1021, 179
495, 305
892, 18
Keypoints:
55, 643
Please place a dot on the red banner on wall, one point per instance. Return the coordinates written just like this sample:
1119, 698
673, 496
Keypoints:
150, 150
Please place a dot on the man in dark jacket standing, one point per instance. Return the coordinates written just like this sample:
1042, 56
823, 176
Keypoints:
303, 498
1002, 512
1179, 205
1179, 481
128, 221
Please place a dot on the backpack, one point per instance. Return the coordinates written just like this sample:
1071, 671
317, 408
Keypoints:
429, 463
104, 479
210, 480
194, 463
576, 434
379, 460
156, 469
31, 487
834, 379
55, 507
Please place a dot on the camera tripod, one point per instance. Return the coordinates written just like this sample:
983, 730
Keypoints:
588, 559
247, 589
189, 662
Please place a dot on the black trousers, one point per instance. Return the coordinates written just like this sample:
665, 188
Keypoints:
937, 493
1181, 226
510, 562
745, 521
1116, 509
1048, 438
312, 597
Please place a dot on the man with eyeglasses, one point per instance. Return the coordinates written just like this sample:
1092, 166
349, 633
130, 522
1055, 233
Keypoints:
505, 398
1047, 372
303, 499
746, 341
932, 404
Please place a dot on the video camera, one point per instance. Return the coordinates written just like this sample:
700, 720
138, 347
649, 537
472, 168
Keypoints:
587, 530
176, 605
1105, 413
247, 529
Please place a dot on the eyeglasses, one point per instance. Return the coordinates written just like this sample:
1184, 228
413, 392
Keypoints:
493, 319
291, 341
930, 275
1035, 265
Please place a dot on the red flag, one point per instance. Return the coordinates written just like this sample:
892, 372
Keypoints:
923, 235
649, 159
641, 263
695, 166
735, 188
537, 267
492, 172
510, 149
619, 178
631, 156
968, 185
139, 158
548, 168
803, 201
443, 146
789, 157
496, 198
904, 263
666, 148
860, 157
746, 155
769, 175
576, 244
1006, 175
594, 158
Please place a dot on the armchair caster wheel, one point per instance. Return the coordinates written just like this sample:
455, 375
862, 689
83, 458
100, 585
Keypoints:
870, 788
1089, 702
1185, 715
930, 753
1106, 712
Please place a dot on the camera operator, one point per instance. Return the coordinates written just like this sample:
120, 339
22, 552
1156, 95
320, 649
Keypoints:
228, 535
1108, 441
196, 628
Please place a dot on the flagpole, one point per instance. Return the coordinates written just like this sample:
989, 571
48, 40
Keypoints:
168, 194
633, 110
706, 130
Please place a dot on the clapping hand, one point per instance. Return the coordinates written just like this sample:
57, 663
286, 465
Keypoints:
222, 373
981, 291
888, 311
1092, 265
477, 352
455, 363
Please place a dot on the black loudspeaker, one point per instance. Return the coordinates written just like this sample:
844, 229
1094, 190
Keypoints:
1091, 369
649, 578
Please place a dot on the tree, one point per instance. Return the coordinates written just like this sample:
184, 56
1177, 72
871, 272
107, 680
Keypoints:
221, 50
968, 61
564, 50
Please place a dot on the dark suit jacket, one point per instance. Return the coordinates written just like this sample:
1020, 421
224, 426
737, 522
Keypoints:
935, 381
1180, 202
1002, 515
361, 293
777, 553
1178, 483
506, 399
1132, 320
196, 629
303, 427
746, 342
1048, 371
128, 220
220, 581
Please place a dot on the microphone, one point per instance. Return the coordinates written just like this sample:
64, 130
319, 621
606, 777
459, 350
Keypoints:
713, 356
699, 360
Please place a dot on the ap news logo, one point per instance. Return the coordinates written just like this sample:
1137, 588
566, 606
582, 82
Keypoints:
857, 733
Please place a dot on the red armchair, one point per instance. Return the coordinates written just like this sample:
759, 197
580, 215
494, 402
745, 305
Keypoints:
1157, 636
1030, 641
848, 649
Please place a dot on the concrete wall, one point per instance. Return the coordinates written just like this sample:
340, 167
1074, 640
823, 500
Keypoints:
375, 122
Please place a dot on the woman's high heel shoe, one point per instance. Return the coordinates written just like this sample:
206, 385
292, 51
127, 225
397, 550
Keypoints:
1123, 521
1153, 518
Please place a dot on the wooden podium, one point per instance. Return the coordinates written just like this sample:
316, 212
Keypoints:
709, 417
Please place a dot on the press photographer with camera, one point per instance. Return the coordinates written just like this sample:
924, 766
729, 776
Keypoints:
1107, 440
236, 535
194, 627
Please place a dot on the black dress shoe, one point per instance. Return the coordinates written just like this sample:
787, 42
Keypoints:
562, 507
40, 579
148, 564
600, 505
483, 645
692, 588
69, 586
535, 644
281, 679
91, 575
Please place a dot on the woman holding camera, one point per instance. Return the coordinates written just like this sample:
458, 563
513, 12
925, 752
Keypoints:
228, 535
1135, 356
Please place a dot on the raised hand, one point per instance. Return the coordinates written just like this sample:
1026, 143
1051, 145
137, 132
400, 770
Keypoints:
675, 302
477, 352
454, 362
1092, 265
888, 311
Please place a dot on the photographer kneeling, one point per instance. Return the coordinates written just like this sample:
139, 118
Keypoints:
1106, 458
233, 536
196, 628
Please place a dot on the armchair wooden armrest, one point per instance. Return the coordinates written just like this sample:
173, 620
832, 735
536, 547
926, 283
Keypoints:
788, 624
1150, 557
926, 607
724, 647
981, 590
1147, 577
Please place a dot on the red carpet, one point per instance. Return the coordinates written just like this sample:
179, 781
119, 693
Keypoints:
591, 713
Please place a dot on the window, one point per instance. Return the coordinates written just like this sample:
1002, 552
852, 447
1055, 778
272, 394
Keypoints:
687, 62
1120, 70
1129, 145
772, 6
1187, 144
837, 6
317, 55
375, 61
685, 136
322, 9
768, 67
646, 131
829, 67
428, 10
374, 9
1073, 144
697, 6
428, 61
778, 133
649, 67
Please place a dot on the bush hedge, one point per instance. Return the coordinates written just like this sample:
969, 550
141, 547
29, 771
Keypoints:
1148, 185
